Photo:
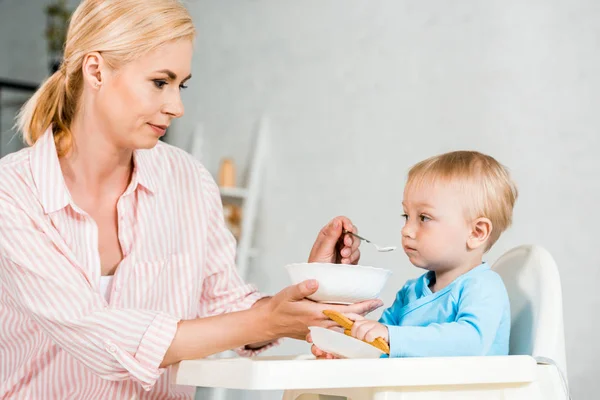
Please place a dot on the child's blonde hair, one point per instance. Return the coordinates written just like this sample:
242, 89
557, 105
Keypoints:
484, 180
121, 30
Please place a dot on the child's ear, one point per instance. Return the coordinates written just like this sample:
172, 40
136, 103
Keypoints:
481, 228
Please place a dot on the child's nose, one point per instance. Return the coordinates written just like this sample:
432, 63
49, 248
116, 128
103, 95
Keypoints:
408, 230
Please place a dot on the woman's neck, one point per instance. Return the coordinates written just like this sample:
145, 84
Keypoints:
95, 164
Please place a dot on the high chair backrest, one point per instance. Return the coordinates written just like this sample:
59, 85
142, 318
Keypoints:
533, 284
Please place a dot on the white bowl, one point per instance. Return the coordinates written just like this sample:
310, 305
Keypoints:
341, 283
341, 345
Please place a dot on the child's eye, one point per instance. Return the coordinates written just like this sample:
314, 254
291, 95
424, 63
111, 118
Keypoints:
405, 217
424, 218
159, 83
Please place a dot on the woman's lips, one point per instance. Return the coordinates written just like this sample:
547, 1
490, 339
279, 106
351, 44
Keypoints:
159, 129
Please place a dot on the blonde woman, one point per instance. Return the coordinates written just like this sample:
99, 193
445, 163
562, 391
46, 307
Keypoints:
114, 259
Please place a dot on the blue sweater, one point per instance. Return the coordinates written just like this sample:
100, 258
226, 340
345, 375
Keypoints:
469, 317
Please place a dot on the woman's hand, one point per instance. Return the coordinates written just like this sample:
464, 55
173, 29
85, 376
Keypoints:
334, 246
289, 313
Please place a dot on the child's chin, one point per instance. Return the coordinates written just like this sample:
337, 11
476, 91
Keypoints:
419, 263
425, 267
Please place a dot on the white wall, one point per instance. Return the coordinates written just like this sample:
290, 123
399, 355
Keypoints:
359, 91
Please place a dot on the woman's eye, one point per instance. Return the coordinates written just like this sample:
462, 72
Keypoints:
159, 83
182, 87
405, 217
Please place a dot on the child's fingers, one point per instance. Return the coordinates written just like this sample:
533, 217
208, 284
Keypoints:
360, 328
373, 333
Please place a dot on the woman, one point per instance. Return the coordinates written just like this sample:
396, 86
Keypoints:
114, 259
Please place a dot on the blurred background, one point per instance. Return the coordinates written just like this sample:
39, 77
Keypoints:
358, 91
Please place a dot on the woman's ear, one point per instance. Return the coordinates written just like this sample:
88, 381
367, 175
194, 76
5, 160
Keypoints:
481, 229
92, 68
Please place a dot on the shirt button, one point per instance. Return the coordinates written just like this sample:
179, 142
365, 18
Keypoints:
111, 348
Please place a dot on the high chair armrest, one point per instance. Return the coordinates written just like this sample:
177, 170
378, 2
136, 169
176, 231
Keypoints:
304, 372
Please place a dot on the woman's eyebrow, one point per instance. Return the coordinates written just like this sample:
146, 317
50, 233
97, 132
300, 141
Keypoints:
172, 75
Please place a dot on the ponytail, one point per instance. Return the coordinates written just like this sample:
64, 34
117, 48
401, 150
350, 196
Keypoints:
49, 106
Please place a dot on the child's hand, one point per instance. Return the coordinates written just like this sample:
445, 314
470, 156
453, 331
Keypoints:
368, 330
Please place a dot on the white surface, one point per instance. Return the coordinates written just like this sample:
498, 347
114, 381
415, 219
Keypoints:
545, 387
534, 288
339, 283
106, 286
342, 345
263, 373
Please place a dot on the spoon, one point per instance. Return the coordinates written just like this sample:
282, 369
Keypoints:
379, 248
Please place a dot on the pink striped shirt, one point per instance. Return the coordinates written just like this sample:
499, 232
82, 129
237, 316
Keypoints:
59, 338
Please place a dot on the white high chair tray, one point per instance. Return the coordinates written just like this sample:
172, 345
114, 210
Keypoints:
304, 372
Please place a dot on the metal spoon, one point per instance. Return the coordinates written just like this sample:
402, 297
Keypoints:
379, 248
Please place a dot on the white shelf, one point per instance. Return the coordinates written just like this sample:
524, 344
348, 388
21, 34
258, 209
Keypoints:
233, 195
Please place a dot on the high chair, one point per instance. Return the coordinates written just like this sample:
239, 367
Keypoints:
535, 370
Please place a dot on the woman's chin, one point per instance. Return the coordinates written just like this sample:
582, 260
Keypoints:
145, 143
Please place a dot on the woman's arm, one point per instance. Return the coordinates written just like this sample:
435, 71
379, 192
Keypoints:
287, 314
202, 337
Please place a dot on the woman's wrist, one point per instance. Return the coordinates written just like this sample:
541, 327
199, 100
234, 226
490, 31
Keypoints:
202, 337
264, 318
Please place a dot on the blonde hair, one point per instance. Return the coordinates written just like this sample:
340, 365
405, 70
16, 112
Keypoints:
121, 30
484, 180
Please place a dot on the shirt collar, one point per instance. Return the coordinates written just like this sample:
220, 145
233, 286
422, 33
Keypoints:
145, 170
429, 277
47, 174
